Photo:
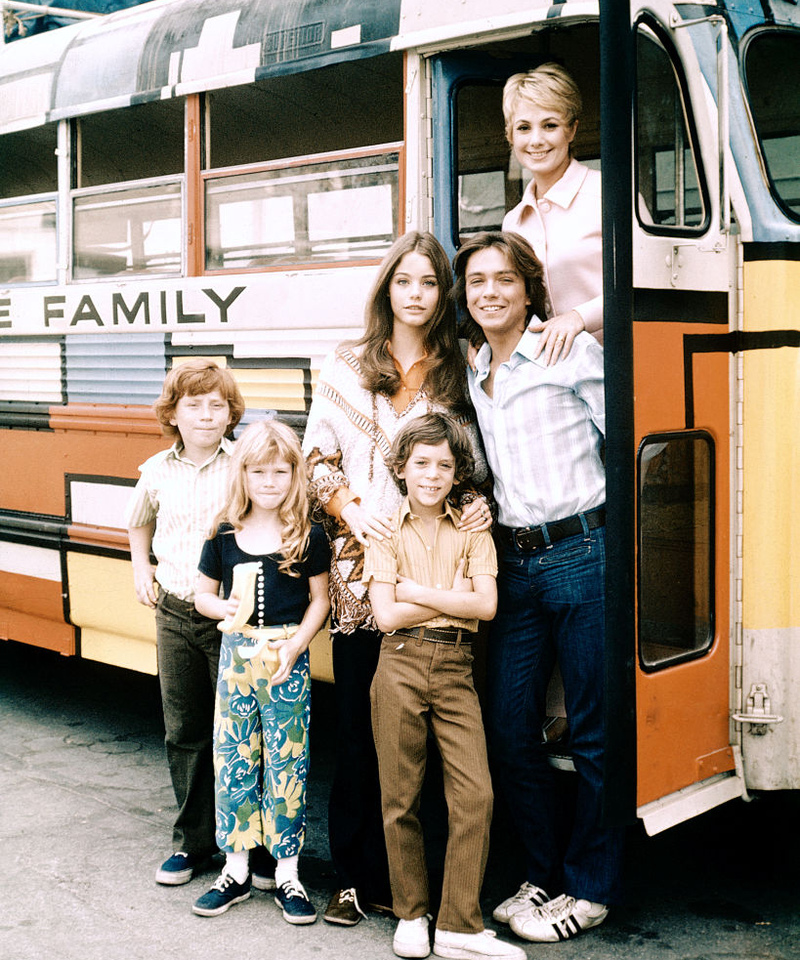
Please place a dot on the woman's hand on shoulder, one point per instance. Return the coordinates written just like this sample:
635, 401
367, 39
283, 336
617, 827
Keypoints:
558, 335
475, 516
472, 357
364, 524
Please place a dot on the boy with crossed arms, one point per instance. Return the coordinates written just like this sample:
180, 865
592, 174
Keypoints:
429, 585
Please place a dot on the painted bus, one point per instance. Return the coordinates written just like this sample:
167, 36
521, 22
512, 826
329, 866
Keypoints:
220, 178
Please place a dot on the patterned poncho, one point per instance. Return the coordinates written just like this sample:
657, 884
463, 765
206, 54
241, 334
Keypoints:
347, 440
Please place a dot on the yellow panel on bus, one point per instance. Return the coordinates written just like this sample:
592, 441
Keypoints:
771, 455
115, 627
118, 630
265, 388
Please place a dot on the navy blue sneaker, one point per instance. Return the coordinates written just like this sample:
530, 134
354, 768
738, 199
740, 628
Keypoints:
294, 902
222, 896
177, 869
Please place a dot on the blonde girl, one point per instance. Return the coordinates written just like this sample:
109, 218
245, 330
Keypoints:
271, 564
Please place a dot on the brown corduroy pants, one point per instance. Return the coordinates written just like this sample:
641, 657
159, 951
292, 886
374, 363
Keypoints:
420, 685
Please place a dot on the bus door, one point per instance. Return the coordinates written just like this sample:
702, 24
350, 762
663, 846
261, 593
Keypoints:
684, 306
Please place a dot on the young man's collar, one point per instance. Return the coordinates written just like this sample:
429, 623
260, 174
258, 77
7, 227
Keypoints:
483, 359
405, 510
526, 347
177, 448
528, 344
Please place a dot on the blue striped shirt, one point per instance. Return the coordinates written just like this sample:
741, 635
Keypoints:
542, 430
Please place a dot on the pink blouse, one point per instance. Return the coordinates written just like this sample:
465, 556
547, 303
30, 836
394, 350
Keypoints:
564, 229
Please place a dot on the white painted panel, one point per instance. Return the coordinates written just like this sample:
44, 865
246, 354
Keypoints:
690, 802
99, 504
423, 22
30, 371
30, 561
771, 657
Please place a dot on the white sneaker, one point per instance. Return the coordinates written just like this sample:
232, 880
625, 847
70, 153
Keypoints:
526, 898
560, 919
260, 881
474, 946
411, 938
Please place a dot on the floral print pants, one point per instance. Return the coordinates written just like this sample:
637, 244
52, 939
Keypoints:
260, 754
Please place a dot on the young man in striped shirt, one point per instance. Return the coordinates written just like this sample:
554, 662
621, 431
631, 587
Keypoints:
177, 497
543, 427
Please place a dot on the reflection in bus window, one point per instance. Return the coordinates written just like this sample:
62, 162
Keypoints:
349, 105
135, 230
123, 224
131, 144
668, 183
342, 209
676, 476
486, 185
28, 244
28, 238
288, 183
773, 85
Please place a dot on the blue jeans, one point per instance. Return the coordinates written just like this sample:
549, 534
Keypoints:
551, 604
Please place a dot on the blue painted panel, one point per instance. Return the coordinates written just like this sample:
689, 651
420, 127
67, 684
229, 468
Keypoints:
123, 368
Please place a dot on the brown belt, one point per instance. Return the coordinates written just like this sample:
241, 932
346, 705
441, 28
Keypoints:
436, 634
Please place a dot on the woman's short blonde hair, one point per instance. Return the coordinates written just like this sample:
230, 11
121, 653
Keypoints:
549, 87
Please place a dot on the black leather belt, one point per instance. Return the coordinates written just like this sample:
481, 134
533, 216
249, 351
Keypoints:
529, 538
435, 634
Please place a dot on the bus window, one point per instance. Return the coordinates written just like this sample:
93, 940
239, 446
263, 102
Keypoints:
28, 185
345, 209
772, 66
304, 168
676, 476
670, 196
488, 182
127, 196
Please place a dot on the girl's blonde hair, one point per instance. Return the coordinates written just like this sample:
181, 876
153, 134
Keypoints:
259, 443
548, 87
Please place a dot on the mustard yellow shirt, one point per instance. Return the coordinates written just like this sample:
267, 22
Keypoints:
410, 553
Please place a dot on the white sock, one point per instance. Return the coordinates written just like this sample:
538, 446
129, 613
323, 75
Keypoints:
238, 865
286, 869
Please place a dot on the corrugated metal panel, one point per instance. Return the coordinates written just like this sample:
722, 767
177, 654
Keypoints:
30, 370
126, 368
272, 389
171, 48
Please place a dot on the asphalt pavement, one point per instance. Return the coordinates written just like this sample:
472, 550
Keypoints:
85, 817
